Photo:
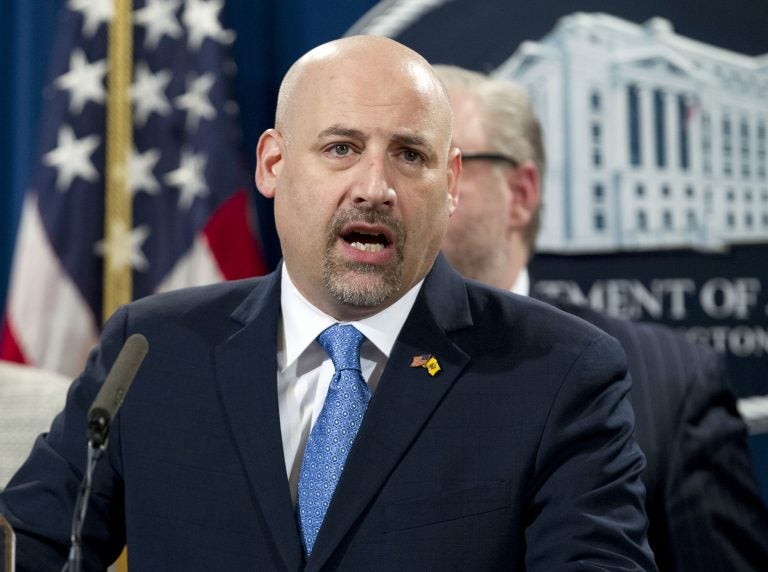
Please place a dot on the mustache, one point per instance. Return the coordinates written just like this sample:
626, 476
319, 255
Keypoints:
349, 215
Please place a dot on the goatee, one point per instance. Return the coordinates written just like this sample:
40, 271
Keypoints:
359, 283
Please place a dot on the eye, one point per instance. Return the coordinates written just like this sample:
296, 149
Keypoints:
340, 149
412, 156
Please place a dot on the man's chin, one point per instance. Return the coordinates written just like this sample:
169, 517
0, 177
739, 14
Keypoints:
365, 285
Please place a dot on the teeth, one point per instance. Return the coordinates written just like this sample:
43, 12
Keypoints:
367, 247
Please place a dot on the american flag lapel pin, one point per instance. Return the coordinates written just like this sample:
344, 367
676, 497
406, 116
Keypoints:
428, 362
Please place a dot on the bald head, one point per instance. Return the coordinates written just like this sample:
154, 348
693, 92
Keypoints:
362, 172
374, 63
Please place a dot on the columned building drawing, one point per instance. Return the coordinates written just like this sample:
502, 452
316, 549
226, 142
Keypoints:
654, 140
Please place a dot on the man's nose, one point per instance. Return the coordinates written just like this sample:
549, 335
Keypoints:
374, 188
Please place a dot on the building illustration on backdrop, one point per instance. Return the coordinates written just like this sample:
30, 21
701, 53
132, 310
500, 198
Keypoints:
654, 140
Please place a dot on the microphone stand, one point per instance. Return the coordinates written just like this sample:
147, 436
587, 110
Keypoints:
75, 562
100, 415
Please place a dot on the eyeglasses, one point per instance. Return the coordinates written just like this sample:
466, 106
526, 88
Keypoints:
490, 157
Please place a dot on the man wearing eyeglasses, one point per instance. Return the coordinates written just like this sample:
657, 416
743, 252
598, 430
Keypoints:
703, 506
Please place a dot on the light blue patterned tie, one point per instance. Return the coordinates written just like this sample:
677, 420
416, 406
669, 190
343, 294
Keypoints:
335, 429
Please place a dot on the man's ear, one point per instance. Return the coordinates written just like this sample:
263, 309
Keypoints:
525, 185
269, 162
454, 172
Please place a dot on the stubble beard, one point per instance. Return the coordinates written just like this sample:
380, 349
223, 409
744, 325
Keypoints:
472, 250
469, 261
358, 283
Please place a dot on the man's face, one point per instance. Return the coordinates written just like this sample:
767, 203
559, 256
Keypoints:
479, 226
363, 187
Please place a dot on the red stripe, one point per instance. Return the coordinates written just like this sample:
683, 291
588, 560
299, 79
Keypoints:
9, 348
230, 235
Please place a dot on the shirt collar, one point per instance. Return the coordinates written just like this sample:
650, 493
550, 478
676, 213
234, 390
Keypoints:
302, 322
522, 283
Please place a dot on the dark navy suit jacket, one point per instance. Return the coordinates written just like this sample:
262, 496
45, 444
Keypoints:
703, 502
519, 454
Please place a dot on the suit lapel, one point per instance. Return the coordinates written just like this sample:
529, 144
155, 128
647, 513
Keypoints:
404, 400
246, 367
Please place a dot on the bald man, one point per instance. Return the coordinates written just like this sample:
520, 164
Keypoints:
363, 407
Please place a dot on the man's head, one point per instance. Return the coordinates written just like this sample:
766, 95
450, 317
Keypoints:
491, 236
362, 171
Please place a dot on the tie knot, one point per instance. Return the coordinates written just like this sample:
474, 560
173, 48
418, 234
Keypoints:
342, 344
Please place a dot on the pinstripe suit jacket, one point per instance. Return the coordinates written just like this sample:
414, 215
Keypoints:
703, 504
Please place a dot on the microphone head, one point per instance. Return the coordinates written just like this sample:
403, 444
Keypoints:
113, 391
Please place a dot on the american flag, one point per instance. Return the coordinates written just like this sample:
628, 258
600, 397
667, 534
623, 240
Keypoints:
186, 177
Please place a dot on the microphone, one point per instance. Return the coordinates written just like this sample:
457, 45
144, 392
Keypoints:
100, 417
111, 395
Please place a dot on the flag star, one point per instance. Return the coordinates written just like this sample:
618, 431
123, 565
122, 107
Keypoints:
95, 13
140, 175
196, 101
189, 178
122, 247
201, 17
148, 93
72, 158
159, 19
84, 81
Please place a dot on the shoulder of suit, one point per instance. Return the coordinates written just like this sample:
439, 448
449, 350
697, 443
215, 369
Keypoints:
496, 307
651, 341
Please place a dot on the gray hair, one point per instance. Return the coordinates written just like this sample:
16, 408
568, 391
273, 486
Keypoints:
509, 121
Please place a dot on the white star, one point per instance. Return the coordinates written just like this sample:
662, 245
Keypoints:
72, 158
189, 178
84, 81
201, 18
140, 175
196, 102
148, 93
123, 247
159, 19
95, 13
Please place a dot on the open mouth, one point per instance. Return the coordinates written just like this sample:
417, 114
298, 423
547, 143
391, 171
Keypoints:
366, 241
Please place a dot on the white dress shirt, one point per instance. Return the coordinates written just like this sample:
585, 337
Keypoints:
304, 370
522, 283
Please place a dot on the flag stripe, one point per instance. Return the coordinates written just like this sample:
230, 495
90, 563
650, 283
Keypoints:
9, 349
52, 325
196, 267
229, 234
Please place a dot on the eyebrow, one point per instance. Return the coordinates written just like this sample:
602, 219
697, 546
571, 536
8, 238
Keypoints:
339, 131
413, 141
